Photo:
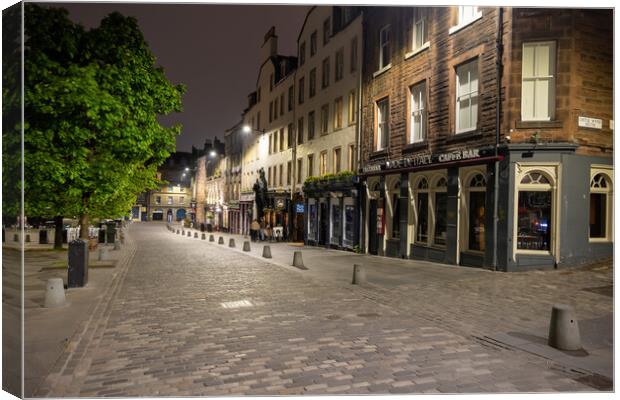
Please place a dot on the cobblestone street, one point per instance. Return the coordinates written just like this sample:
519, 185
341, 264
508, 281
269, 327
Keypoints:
189, 317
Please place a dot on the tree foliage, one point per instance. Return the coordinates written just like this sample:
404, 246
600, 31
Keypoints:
92, 98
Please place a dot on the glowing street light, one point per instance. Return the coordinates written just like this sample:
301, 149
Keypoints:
212, 153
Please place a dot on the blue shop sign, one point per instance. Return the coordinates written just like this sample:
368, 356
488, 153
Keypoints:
299, 208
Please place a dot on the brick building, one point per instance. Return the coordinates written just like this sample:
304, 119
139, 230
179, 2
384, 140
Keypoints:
452, 95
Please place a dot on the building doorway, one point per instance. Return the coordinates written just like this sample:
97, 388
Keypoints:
372, 227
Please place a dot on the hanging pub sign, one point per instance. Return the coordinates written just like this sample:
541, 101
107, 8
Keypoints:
280, 203
424, 159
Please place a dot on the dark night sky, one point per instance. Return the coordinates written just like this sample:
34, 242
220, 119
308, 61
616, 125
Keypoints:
213, 49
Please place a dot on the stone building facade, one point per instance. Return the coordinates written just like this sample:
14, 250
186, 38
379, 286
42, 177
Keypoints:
329, 54
472, 120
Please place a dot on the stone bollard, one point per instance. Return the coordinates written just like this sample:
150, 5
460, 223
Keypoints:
359, 275
103, 254
117, 244
203, 236
16, 237
27, 238
195, 235
298, 261
563, 328
246, 245
78, 263
54, 293
211, 238
266, 251
231, 242
220, 240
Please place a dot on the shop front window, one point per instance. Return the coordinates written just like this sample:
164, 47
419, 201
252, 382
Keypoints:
336, 224
534, 221
422, 208
349, 219
441, 212
600, 206
312, 221
396, 211
477, 209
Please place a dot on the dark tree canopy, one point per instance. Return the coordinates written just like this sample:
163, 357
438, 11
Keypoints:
92, 97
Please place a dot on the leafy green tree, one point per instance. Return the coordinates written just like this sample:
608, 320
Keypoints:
92, 98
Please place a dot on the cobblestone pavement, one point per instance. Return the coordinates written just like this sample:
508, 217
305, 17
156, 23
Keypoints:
194, 318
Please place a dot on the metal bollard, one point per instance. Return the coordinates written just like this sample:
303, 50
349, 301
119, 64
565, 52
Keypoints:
266, 251
16, 237
231, 242
246, 246
27, 238
203, 236
563, 328
211, 238
189, 233
117, 244
359, 275
195, 235
220, 240
177, 231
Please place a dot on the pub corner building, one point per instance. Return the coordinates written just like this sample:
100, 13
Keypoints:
502, 157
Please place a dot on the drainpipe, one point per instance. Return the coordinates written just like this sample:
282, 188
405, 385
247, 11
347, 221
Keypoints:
498, 114
358, 120
292, 213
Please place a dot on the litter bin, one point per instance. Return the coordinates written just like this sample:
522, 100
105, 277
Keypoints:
43, 236
78, 263
101, 235
111, 231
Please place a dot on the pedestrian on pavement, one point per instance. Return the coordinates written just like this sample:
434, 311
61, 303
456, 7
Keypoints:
269, 233
261, 230
254, 228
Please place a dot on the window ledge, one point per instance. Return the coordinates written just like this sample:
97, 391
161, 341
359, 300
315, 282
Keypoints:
470, 135
457, 28
378, 154
599, 240
538, 124
413, 147
382, 70
418, 50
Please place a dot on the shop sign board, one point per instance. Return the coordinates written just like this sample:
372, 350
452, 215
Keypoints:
424, 159
299, 208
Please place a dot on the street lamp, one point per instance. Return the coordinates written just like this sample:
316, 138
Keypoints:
212, 154
248, 129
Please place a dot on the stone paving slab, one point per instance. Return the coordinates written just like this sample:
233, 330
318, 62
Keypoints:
192, 318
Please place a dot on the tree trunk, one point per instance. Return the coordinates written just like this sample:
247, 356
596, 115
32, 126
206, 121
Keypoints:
84, 217
58, 232
84, 226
